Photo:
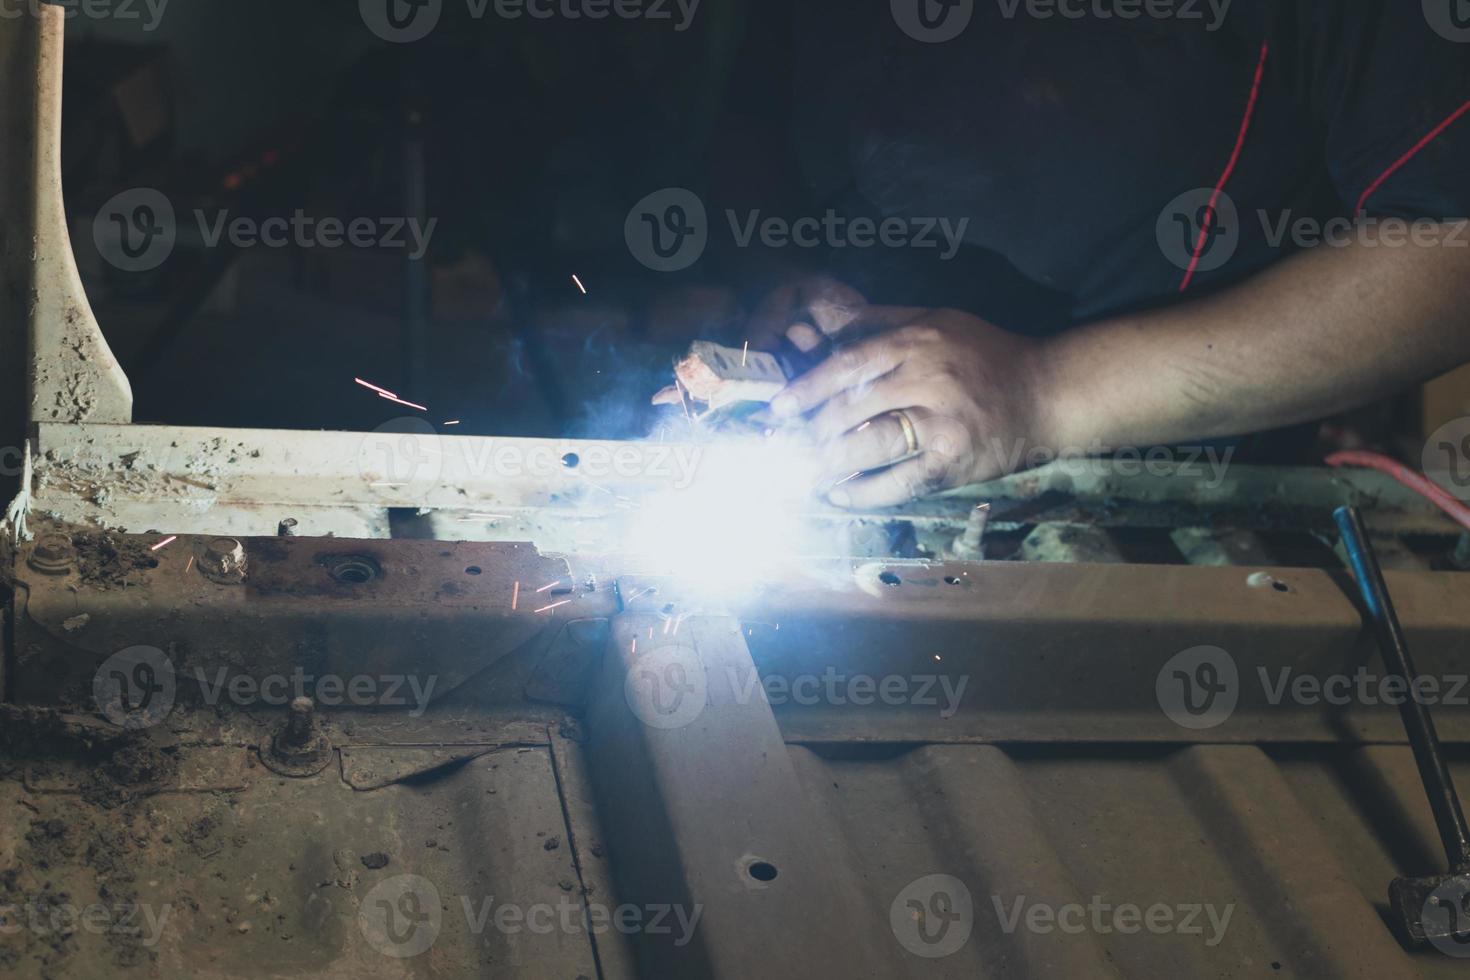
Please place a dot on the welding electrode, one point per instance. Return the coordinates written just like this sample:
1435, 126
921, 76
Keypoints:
1410, 897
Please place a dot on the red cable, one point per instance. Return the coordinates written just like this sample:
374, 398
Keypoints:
1399, 163
1245, 125
1410, 478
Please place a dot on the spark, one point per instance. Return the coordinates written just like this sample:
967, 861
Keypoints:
938, 657
452, 422
369, 384
635, 645
400, 401
864, 425
650, 632
683, 401
165, 541
744, 351
515, 596
549, 585
579, 284
554, 605
853, 476
667, 624
190, 565
677, 623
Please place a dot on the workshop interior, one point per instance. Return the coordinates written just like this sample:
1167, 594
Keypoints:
406, 571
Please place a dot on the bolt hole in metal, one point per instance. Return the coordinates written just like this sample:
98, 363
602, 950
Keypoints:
1262, 580
762, 871
473, 570
889, 578
353, 569
953, 580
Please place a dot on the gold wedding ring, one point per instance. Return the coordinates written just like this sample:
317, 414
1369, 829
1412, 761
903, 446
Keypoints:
910, 434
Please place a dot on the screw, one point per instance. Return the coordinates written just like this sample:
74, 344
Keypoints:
287, 528
970, 546
301, 727
223, 561
52, 554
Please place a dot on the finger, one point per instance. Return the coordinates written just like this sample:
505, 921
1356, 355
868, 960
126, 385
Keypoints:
859, 405
876, 443
804, 336
900, 483
848, 367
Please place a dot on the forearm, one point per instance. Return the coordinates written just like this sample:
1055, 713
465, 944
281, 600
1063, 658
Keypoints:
1322, 332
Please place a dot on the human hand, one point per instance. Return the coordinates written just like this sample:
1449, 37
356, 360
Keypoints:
926, 401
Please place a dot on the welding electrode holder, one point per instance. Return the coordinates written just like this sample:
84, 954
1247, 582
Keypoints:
1410, 896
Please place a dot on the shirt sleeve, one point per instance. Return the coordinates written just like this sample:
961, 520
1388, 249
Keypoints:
1389, 81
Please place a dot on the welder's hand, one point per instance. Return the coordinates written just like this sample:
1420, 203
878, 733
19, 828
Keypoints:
804, 312
967, 387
